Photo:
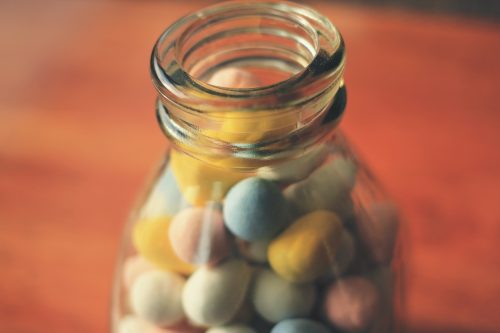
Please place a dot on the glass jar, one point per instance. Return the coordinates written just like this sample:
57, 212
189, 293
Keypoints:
261, 218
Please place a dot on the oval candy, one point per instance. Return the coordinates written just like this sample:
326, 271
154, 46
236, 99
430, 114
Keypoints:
213, 295
198, 235
156, 297
276, 299
255, 209
307, 249
235, 328
351, 304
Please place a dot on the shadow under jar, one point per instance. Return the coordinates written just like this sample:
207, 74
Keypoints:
260, 218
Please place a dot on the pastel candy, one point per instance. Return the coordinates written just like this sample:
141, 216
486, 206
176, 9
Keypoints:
247, 126
198, 235
133, 267
255, 209
345, 254
307, 249
150, 238
255, 252
295, 169
134, 324
299, 326
276, 299
351, 304
378, 228
201, 181
165, 199
213, 295
232, 77
236, 328
326, 188
156, 297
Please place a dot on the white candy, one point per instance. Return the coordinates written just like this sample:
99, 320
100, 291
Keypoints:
296, 169
213, 296
231, 329
276, 299
156, 297
326, 188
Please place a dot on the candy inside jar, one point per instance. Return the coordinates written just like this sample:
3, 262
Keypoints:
261, 218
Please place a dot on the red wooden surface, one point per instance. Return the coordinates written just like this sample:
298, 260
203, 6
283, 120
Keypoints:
78, 137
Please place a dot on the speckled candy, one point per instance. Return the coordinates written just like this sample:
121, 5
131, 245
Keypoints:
236, 328
276, 299
307, 249
198, 235
150, 238
156, 297
133, 267
351, 304
326, 188
255, 209
213, 295
299, 326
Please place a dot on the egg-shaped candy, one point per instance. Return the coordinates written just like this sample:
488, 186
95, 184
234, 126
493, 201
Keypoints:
150, 238
276, 299
377, 226
202, 181
351, 304
232, 77
198, 235
133, 267
165, 198
299, 326
255, 209
344, 256
135, 324
156, 297
326, 188
213, 295
234, 328
307, 249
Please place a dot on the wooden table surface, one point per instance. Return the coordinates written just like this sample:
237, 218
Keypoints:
78, 138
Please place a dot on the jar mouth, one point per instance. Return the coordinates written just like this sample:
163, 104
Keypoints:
297, 55
300, 42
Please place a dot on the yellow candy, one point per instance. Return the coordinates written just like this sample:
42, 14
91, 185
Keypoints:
306, 250
150, 237
199, 181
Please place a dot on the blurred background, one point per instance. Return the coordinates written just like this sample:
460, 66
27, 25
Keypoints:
78, 139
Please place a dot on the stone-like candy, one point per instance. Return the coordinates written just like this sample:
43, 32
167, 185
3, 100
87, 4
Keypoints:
326, 188
351, 304
255, 209
307, 249
276, 299
150, 237
213, 296
299, 326
198, 235
156, 297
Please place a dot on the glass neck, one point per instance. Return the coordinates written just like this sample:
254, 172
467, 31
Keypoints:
297, 57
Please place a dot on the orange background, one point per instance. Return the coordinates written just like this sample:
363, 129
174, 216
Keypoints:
78, 138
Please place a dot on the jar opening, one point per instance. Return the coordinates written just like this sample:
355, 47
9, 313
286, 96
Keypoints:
295, 54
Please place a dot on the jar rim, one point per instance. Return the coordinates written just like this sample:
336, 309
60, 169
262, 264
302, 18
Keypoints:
180, 88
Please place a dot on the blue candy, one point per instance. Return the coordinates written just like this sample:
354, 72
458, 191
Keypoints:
255, 209
299, 326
